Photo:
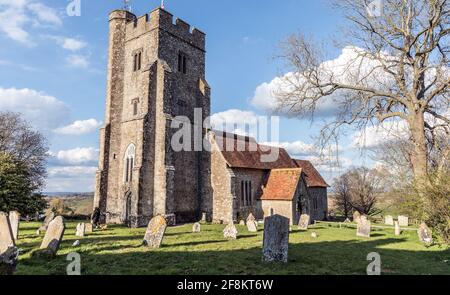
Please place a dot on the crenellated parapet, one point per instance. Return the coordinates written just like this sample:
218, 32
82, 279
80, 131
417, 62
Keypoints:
163, 20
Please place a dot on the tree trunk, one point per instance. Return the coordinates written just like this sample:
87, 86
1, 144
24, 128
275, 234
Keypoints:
419, 153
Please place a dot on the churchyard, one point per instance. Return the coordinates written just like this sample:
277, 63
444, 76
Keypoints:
322, 249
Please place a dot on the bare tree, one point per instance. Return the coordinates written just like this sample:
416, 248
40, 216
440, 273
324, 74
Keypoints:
398, 70
359, 188
27, 146
342, 196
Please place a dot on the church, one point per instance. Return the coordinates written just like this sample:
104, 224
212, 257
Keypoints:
156, 75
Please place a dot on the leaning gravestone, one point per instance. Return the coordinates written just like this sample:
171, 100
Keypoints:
6, 235
356, 216
389, 220
14, 219
155, 232
363, 227
81, 229
196, 228
230, 232
89, 229
425, 234
53, 237
252, 226
397, 228
276, 239
304, 222
47, 221
403, 220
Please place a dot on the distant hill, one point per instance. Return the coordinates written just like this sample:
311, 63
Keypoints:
79, 203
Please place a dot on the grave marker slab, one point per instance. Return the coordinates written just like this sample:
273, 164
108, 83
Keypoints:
356, 216
50, 216
363, 227
89, 228
53, 236
230, 231
389, 220
425, 234
196, 228
14, 220
276, 239
397, 229
155, 232
6, 235
403, 220
304, 222
81, 229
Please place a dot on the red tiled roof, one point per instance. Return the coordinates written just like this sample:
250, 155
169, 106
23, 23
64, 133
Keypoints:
245, 152
282, 184
312, 176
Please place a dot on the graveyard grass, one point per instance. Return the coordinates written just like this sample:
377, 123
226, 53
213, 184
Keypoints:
119, 250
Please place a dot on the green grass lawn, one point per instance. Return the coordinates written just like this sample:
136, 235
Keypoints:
119, 250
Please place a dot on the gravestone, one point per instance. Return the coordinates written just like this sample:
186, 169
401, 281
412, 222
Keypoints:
252, 226
89, 229
397, 228
230, 232
47, 221
389, 220
53, 237
314, 235
363, 227
304, 222
6, 235
347, 220
403, 221
356, 216
204, 219
14, 220
242, 222
425, 234
196, 228
250, 217
276, 239
81, 229
155, 232
8, 261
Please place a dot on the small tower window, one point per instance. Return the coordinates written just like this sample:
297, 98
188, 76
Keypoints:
137, 61
182, 63
135, 103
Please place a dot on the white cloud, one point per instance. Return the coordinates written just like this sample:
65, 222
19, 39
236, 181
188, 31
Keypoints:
71, 171
78, 61
373, 136
71, 179
75, 157
79, 127
235, 121
73, 44
43, 111
17, 16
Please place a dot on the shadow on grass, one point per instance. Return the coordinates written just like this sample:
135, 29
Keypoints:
331, 257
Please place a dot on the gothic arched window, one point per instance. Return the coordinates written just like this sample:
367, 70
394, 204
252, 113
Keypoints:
130, 155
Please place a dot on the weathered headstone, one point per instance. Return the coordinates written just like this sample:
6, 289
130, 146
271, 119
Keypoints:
397, 228
89, 229
47, 221
252, 226
347, 220
53, 237
304, 222
8, 261
14, 220
356, 216
250, 217
403, 220
81, 229
6, 235
276, 239
389, 220
314, 235
196, 228
204, 217
363, 227
425, 234
242, 222
230, 231
155, 232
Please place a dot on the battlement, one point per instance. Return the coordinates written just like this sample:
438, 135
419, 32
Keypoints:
163, 20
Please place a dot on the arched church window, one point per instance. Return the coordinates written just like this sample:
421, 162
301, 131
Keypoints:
130, 156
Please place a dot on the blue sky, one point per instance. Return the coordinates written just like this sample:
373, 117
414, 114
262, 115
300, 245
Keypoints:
53, 69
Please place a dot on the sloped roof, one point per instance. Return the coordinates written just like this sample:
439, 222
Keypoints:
245, 152
312, 176
282, 184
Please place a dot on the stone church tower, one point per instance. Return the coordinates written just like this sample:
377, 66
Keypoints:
156, 72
